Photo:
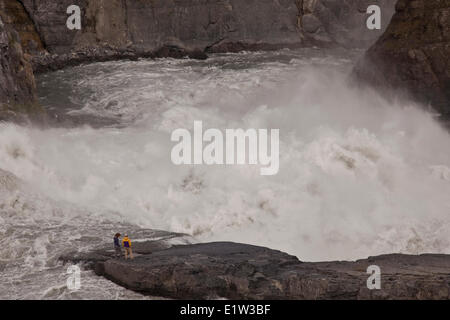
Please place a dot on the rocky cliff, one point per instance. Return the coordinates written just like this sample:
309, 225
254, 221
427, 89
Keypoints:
17, 86
130, 28
17, 18
414, 53
35, 32
240, 271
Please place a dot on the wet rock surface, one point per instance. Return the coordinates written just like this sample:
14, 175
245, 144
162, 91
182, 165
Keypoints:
145, 241
239, 271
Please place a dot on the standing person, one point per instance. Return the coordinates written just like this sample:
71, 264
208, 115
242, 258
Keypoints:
127, 245
117, 245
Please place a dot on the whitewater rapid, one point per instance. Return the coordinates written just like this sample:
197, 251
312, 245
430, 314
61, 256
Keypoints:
359, 175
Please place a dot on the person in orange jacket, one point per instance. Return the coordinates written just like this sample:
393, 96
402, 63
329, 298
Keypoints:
126, 243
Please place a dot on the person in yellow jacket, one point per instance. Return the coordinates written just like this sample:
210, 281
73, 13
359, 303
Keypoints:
126, 243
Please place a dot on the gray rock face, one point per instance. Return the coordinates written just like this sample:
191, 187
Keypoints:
414, 53
150, 25
239, 271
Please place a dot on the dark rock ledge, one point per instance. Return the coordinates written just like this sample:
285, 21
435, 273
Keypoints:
45, 62
240, 271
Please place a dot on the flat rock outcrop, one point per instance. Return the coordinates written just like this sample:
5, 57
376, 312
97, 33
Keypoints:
414, 53
240, 271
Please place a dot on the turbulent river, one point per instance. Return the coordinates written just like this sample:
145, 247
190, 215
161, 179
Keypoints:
359, 174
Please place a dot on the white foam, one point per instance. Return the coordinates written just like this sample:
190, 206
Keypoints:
359, 175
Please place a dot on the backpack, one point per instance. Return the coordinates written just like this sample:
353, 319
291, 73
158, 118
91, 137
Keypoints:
126, 244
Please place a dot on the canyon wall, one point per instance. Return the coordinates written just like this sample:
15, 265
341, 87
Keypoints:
114, 29
17, 86
414, 53
146, 26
